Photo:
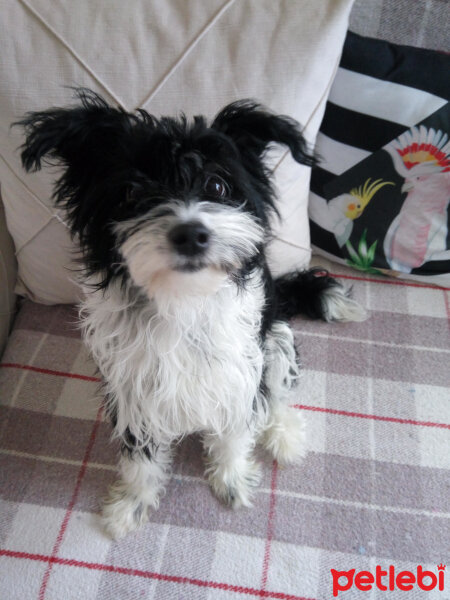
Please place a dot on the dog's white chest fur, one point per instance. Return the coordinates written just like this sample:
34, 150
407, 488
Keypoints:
192, 365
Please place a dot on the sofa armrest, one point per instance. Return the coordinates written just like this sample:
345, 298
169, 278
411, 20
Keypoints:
8, 273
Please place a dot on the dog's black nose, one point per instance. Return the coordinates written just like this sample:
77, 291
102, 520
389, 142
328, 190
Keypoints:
190, 239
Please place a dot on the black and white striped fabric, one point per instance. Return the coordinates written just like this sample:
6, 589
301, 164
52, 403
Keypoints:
379, 199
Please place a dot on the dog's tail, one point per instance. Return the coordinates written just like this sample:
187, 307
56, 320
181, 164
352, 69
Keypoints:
315, 294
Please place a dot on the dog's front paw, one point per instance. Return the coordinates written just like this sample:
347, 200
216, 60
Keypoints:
122, 512
234, 486
285, 435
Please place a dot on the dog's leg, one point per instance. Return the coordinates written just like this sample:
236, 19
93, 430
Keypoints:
284, 433
143, 473
231, 470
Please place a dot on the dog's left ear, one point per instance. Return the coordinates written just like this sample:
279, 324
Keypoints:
253, 128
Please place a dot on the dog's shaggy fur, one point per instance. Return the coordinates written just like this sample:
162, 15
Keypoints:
181, 314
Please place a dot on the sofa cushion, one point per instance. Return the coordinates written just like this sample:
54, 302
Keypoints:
422, 23
7, 279
166, 56
379, 200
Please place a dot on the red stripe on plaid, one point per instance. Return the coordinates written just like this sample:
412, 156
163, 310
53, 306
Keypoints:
70, 562
346, 413
72, 502
390, 282
48, 371
302, 406
270, 526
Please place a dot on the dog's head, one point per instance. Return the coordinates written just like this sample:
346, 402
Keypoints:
175, 205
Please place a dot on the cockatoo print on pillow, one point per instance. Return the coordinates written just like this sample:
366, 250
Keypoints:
419, 232
345, 208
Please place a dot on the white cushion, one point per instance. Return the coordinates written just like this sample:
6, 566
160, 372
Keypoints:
166, 56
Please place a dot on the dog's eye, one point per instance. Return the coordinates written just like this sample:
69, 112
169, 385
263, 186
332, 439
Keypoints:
216, 186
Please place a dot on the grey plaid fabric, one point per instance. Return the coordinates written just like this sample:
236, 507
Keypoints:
373, 490
420, 23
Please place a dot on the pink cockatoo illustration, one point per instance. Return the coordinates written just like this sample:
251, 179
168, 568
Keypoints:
419, 232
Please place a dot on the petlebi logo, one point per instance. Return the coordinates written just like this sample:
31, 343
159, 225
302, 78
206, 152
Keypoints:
388, 579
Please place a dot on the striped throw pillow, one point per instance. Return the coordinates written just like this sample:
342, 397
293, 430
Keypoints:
380, 197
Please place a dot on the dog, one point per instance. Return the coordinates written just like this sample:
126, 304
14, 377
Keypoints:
188, 327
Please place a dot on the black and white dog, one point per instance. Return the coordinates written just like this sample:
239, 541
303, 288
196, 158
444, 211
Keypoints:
187, 326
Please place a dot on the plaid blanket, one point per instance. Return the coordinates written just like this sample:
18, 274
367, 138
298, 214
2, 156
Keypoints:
373, 491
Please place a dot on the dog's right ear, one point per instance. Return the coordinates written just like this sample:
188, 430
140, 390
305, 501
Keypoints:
72, 135
96, 145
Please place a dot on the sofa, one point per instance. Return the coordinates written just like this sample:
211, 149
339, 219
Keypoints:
374, 488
